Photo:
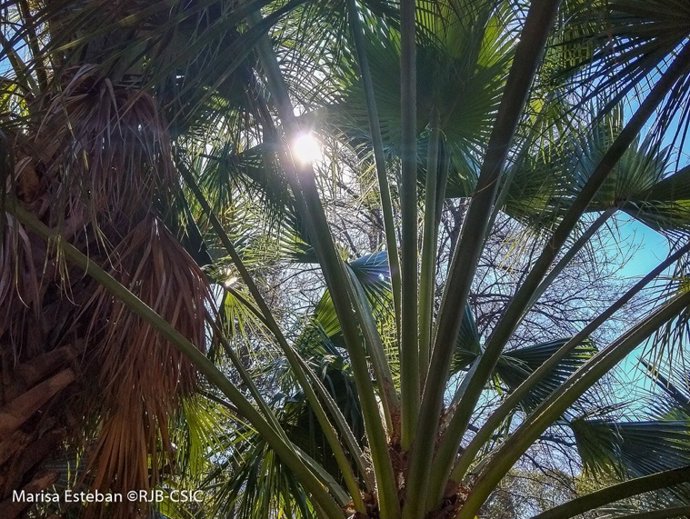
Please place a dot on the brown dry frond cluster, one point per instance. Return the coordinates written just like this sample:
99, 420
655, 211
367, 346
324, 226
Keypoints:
454, 496
96, 168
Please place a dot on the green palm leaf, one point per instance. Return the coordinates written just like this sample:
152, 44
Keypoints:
632, 449
629, 449
515, 365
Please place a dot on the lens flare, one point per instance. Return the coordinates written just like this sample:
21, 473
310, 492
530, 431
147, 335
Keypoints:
306, 149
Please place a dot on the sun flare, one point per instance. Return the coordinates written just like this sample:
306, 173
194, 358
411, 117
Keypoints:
306, 149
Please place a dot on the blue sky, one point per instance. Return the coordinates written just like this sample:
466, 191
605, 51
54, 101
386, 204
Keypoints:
650, 248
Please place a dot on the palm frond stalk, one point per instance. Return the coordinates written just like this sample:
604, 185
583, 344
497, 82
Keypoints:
361, 259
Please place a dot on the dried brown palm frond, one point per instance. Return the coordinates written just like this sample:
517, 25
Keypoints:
19, 287
105, 148
96, 166
140, 377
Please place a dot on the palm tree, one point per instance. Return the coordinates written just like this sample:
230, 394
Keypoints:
142, 138
72, 355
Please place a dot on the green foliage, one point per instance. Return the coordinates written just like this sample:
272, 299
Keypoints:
152, 146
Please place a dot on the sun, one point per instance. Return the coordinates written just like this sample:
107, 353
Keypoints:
306, 149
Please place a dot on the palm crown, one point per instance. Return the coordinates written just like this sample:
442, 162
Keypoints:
402, 368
